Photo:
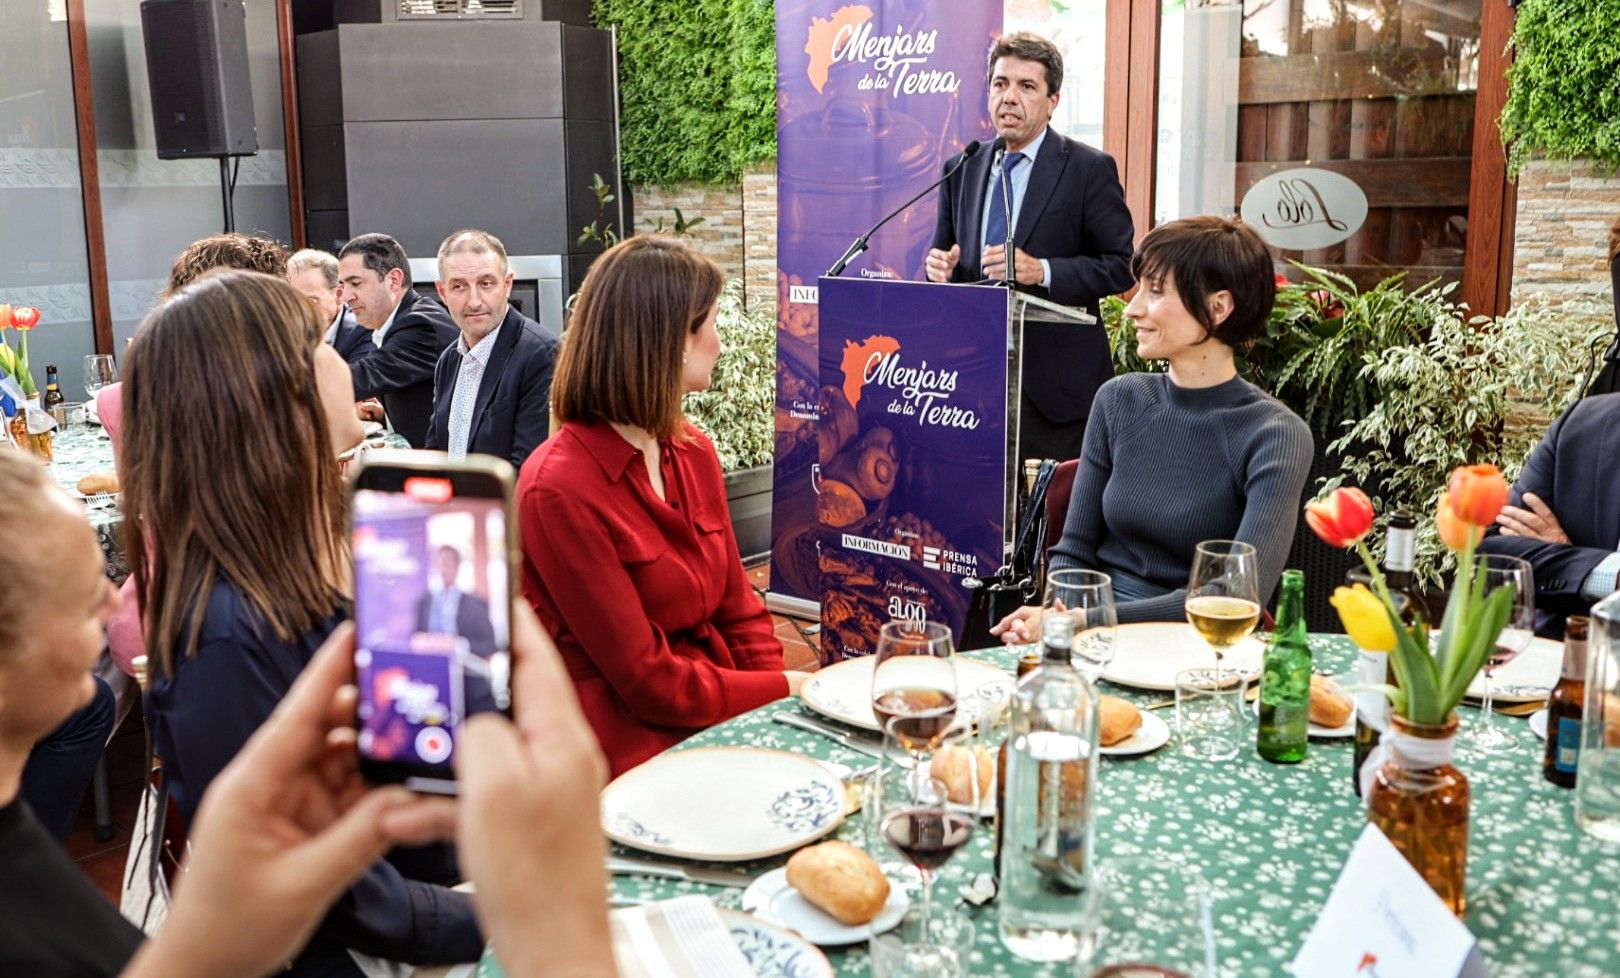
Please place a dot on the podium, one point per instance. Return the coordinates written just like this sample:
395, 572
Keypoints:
919, 456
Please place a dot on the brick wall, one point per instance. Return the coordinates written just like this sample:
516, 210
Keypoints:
1560, 242
738, 229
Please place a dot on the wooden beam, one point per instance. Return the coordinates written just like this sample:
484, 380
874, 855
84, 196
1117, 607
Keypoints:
1117, 81
289, 122
95, 235
1492, 200
1439, 181
1139, 169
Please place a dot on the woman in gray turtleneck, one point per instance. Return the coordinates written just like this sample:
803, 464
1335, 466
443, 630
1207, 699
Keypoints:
1195, 453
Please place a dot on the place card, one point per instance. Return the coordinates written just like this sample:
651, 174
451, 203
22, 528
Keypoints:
1383, 921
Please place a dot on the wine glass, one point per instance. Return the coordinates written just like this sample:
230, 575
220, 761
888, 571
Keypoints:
1501, 570
914, 682
927, 813
1088, 597
1223, 595
100, 369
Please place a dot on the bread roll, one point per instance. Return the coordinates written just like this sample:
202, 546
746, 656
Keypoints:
98, 482
950, 765
1119, 719
839, 879
1331, 706
838, 504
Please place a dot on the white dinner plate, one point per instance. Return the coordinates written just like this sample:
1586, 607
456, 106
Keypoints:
1148, 655
772, 899
1538, 723
1150, 736
843, 691
774, 952
1530, 676
1347, 729
723, 804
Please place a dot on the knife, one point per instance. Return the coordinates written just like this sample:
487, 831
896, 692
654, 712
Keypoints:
833, 734
629, 865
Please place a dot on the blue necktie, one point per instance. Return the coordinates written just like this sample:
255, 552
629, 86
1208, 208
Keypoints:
995, 226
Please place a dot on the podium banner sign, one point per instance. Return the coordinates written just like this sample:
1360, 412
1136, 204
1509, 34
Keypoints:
914, 381
872, 98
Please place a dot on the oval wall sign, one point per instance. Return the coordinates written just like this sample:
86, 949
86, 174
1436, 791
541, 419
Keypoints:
1305, 208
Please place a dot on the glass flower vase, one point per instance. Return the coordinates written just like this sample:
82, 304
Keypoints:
1420, 801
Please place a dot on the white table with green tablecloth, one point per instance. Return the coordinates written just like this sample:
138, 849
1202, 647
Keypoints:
1543, 898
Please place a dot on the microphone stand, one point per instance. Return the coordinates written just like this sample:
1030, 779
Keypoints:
1009, 274
860, 244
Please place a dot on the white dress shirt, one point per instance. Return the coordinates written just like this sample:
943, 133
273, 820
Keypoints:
465, 396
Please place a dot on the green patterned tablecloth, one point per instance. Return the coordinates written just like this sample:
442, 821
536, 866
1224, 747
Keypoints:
79, 451
1543, 898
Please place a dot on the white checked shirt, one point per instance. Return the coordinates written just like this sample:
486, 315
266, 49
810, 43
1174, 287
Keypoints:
468, 378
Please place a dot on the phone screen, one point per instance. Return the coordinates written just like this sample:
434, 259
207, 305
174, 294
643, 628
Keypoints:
432, 610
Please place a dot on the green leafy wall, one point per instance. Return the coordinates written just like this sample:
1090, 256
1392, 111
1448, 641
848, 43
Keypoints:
1564, 83
697, 83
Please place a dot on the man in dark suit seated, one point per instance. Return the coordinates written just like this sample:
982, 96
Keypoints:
448, 610
409, 333
314, 274
492, 387
1072, 239
1563, 514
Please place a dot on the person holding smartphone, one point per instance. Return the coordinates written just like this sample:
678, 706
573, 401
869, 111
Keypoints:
236, 537
628, 551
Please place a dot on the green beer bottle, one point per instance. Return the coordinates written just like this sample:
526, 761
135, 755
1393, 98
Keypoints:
1285, 683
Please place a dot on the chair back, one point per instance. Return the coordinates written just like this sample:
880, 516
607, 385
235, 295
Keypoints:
1057, 500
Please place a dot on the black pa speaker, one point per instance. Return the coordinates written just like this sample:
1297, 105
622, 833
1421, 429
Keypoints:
197, 67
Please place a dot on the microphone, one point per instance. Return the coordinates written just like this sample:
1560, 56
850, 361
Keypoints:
860, 244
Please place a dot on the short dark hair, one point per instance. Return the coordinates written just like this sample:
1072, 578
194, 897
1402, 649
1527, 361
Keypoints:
1029, 47
1208, 254
621, 356
380, 253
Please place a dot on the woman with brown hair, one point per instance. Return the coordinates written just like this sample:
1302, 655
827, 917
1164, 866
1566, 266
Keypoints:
242, 574
628, 552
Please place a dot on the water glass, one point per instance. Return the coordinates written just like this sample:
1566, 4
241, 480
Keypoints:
1209, 713
995, 697
912, 950
1087, 596
1597, 769
67, 414
1150, 918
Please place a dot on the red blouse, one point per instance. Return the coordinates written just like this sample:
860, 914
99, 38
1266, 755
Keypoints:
646, 597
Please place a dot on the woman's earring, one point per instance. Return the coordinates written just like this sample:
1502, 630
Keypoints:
683, 359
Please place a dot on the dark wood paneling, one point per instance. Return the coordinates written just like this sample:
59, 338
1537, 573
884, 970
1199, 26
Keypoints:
1380, 73
1488, 272
1143, 136
289, 122
1437, 182
95, 237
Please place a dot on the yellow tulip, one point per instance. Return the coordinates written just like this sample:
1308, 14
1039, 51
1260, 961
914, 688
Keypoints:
1364, 618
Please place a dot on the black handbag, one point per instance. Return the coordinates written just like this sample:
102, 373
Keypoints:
1016, 583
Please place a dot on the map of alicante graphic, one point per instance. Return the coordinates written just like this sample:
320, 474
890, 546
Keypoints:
823, 32
856, 357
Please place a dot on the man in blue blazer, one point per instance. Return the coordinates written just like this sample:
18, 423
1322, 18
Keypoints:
1072, 239
492, 387
408, 330
1563, 513
314, 274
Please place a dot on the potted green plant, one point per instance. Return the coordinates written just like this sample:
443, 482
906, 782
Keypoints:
737, 413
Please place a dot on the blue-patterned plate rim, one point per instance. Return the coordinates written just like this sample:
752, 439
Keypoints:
791, 956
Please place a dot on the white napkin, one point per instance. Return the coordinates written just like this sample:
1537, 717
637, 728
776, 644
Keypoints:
680, 938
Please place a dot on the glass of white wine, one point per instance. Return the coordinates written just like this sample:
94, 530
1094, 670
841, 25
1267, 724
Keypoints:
1223, 595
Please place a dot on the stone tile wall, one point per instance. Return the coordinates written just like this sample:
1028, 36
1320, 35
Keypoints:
1560, 244
738, 229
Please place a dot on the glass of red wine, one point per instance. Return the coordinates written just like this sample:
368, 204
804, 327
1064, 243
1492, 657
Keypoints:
914, 681
927, 813
1502, 570
1151, 918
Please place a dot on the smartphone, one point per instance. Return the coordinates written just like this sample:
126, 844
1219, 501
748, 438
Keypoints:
435, 556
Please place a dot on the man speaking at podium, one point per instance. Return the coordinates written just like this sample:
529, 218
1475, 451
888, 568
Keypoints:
1072, 237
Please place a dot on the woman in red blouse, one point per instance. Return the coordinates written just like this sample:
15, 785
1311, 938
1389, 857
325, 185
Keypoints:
628, 553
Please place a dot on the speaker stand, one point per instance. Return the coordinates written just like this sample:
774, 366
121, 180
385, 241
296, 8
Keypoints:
227, 191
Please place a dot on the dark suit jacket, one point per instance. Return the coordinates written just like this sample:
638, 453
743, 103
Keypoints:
512, 414
1074, 216
1572, 470
353, 340
472, 621
400, 372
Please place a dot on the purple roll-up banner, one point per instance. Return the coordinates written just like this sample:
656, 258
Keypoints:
914, 387
872, 99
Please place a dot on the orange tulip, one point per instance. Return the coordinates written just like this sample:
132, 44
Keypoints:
1455, 532
1477, 493
1342, 518
5, 315
25, 317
